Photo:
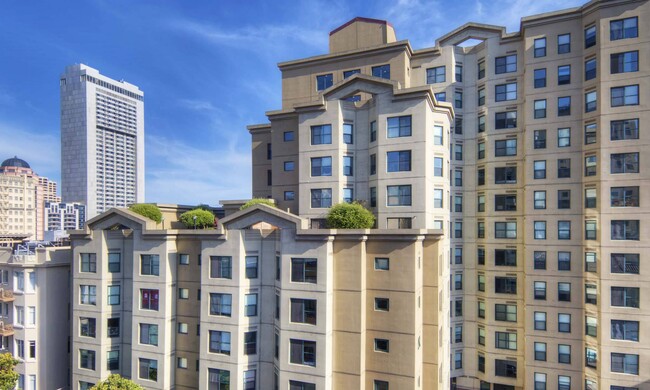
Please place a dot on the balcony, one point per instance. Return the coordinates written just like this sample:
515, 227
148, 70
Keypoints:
6, 329
6, 295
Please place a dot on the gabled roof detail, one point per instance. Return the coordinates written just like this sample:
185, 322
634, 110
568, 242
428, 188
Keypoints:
263, 213
360, 19
125, 217
470, 30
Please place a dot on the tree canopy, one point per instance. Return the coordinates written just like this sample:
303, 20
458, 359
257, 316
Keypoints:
150, 211
204, 219
350, 216
8, 376
116, 382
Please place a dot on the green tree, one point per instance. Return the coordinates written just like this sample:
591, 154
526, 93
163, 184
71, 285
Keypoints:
350, 216
150, 211
204, 219
116, 382
8, 376
255, 201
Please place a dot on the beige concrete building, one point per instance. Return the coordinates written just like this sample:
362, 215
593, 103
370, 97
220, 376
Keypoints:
535, 170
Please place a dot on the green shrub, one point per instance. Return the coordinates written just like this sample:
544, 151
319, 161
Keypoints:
204, 218
255, 201
150, 211
350, 216
115, 382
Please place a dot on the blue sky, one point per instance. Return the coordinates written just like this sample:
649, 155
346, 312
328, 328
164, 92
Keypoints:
207, 68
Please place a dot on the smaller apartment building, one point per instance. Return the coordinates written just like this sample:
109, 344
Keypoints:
245, 308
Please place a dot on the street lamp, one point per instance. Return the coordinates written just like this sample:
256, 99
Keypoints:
194, 217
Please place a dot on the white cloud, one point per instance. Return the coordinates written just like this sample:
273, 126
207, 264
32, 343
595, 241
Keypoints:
39, 148
197, 105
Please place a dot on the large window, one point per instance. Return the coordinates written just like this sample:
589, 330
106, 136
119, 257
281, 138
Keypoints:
220, 304
505, 175
624, 129
505, 64
436, 75
398, 195
88, 295
505, 92
505, 202
321, 198
321, 166
321, 134
399, 126
302, 352
624, 62
148, 369
625, 230
87, 359
505, 340
303, 311
505, 120
89, 262
150, 265
625, 296
506, 147
382, 71
221, 267
624, 163
507, 368
219, 342
87, 327
218, 379
505, 229
398, 161
304, 270
625, 96
625, 330
149, 334
149, 299
505, 285
624, 196
503, 312
623, 28
625, 263
625, 363
324, 81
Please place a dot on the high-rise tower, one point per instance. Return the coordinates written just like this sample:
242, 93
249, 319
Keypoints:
102, 140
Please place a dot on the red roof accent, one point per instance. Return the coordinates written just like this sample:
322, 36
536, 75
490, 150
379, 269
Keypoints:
360, 19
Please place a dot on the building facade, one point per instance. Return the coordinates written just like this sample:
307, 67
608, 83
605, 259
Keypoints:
102, 140
64, 216
534, 168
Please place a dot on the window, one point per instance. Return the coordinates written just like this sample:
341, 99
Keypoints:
507, 368
436, 75
563, 167
87, 327
505, 229
540, 109
564, 75
218, 379
458, 99
458, 255
182, 328
591, 294
505, 175
539, 139
590, 70
437, 167
564, 261
481, 314
481, 150
250, 343
481, 69
625, 196
321, 166
539, 289
113, 327
624, 129
480, 229
458, 75
149, 334
302, 352
458, 155
539, 260
625, 330
149, 299
348, 195
590, 134
350, 73
381, 345
289, 166
590, 36
250, 308
303, 311
399, 126
440, 96
625, 263
506, 340
398, 195
539, 169
481, 363
480, 256
504, 92
458, 281
321, 198
591, 167
373, 164
564, 354
321, 135
458, 178
458, 360
348, 166
591, 326
378, 385
373, 131
590, 262
564, 199
373, 196
623, 28
625, 96
249, 380
564, 323
481, 124
540, 78
219, 342
382, 71
113, 295
87, 359
437, 198
625, 363
590, 101
220, 304
564, 106
183, 259
481, 203
624, 62
348, 133
398, 161
304, 270
625, 163
89, 262
221, 267
590, 197
540, 320
288, 136
505, 64
88, 295
564, 230
625, 230
458, 334
481, 282
458, 126
324, 81
505, 285
505, 147
148, 369
540, 47
504, 312
458, 205
563, 43
564, 292
481, 96
251, 267
269, 151
505, 257
382, 263
381, 304
625, 296
540, 351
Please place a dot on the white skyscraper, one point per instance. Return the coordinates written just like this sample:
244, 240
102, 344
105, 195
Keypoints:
102, 140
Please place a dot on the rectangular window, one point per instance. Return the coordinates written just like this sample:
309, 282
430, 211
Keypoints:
625, 363
505, 92
321, 166
625, 96
540, 109
625, 230
564, 230
436, 75
539, 78
480, 176
289, 166
539, 139
112, 361
218, 379
591, 166
481, 332
481, 97
86, 359
481, 203
564, 354
590, 101
438, 133
220, 304
480, 227
150, 265
540, 320
221, 267
480, 256
505, 285
591, 326
590, 134
89, 262
382, 264
505, 147
458, 154
624, 196
564, 292
505, 340
481, 313
539, 290
563, 167
590, 198
348, 166
113, 295
113, 327
382, 71
481, 282
505, 257
505, 175
250, 305
148, 369
399, 161
623, 28
378, 385
564, 75
302, 352
624, 129
440, 96
539, 260
398, 195
505, 230
373, 196
348, 195
321, 198
373, 131
321, 135
625, 296
149, 299
563, 43
590, 70
590, 262
458, 99
458, 178
350, 73
624, 62
540, 351
564, 106
88, 295
438, 169
438, 198
591, 294
504, 312
303, 311
564, 323
458, 75
564, 199
624, 163
625, 330
481, 69
481, 124
250, 343
304, 270
481, 150
382, 345
590, 36
505, 202
458, 205
540, 47
564, 261
149, 334
288, 136
539, 169
625, 263
399, 126
348, 133
506, 368
506, 64
381, 304
324, 81
458, 126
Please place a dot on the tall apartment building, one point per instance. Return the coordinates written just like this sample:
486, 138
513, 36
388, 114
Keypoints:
64, 216
244, 307
34, 315
534, 168
102, 140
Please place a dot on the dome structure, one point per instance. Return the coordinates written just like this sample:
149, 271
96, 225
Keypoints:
15, 162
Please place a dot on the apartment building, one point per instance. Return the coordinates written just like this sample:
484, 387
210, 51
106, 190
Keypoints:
64, 216
530, 155
245, 307
102, 140
34, 318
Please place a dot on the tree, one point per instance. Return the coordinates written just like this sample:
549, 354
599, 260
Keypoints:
8, 376
255, 201
204, 218
150, 211
350, 216
116, 382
